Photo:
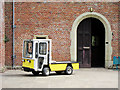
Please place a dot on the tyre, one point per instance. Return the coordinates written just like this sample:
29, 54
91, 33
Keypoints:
46, 71
69, 70
36, 73
58, 72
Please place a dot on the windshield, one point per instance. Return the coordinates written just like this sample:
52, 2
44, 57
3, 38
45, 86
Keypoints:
28, 49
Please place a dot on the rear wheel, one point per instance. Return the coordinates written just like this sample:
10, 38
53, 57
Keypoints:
35, 73
46, 71
69, 70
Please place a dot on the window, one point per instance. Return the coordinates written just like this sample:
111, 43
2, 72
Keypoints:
42, 48
36, 50
95, 41
28, 49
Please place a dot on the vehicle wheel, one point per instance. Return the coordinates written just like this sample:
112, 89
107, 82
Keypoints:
58, 72
35, 73
45, 71
69, 70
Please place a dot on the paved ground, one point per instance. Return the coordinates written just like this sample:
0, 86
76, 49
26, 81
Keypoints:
83, 78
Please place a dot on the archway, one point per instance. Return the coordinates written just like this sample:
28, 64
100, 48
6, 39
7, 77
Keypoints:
108, 36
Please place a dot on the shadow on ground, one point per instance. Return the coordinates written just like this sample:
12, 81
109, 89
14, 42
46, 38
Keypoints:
31, 75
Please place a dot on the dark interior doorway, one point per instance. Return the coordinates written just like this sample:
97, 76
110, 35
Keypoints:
98, 43
91, 43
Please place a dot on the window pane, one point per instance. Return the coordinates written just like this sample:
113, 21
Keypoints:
28, 49
42, 48
36, 50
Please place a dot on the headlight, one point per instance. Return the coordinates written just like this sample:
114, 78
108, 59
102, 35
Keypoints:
23, 60
29, 61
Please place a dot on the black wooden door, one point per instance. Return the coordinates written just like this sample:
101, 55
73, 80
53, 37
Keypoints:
84, 43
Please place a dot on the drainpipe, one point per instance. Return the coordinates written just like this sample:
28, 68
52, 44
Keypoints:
13, 57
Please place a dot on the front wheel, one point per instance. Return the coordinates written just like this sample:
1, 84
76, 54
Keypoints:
46, 71
69, 70
35, 73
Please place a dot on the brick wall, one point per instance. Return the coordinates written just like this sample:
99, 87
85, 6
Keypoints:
119, 29
8, 32
55, 20
2, 44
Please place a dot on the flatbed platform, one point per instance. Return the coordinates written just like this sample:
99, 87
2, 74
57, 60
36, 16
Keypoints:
63, 62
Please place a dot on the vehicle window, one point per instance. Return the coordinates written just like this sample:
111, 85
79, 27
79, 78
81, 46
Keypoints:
42, 48
36, 50
28, 49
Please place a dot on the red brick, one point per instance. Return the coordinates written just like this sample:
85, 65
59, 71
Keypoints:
54, 20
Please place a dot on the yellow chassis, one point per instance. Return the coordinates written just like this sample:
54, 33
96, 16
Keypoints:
29, 63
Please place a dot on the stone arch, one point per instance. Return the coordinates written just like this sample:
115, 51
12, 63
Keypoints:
108, 36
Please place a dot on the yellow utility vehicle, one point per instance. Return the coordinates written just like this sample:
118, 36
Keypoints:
37, 58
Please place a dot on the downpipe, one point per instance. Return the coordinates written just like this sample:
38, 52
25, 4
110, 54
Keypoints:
13, 27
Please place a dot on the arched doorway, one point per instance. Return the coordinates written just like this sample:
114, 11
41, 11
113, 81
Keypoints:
108, 36
91, 43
